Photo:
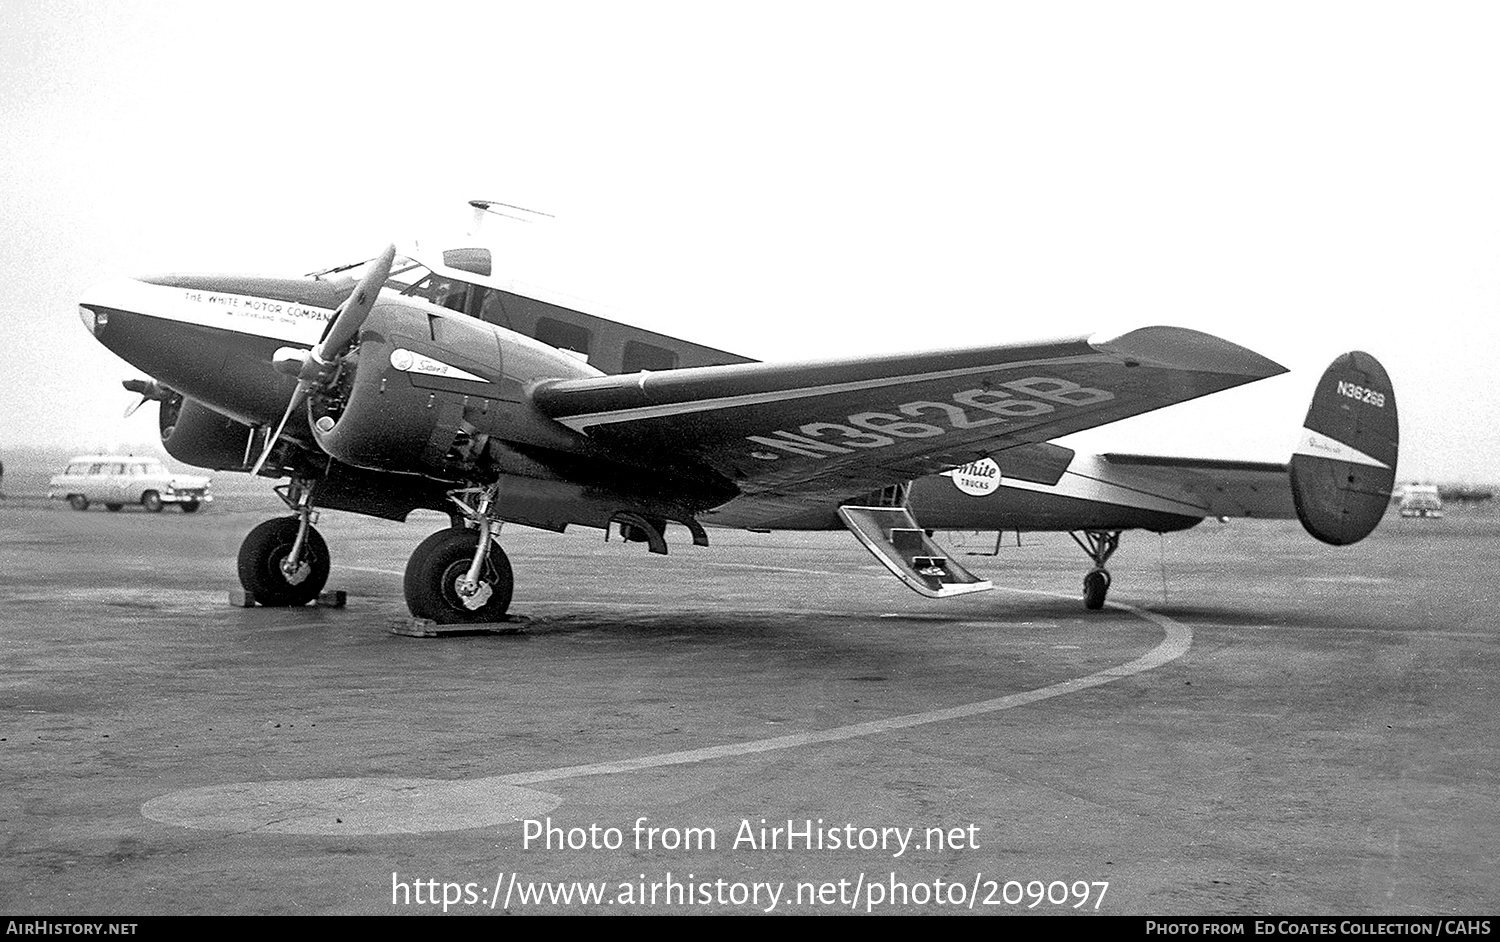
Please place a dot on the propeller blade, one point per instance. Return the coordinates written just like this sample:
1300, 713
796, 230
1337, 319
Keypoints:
149, 389
352, 313
340, 332
298, 396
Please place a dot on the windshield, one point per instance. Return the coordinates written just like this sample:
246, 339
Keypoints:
404, 272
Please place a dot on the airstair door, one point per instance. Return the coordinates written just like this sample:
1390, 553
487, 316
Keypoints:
893, 536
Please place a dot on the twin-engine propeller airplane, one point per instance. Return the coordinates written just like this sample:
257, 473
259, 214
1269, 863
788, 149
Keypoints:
400, 383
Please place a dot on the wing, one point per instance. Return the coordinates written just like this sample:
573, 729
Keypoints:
797, 436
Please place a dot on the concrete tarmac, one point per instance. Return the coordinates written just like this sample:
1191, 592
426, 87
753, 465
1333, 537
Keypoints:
1268, 726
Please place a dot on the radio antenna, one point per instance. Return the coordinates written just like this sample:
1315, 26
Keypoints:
488, 206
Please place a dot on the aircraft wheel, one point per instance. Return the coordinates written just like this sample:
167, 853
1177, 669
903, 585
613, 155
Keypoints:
433, 573
189, 506
260, 564
113, 508
151, 501
1095, 588
78, 502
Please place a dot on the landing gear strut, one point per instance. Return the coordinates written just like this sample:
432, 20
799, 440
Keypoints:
461, 575
1100, 545
284, 562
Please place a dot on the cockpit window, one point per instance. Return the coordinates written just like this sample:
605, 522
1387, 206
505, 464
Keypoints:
441, 290
411, 278
405, 272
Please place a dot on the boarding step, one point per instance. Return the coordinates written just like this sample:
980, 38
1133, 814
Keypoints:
893, 536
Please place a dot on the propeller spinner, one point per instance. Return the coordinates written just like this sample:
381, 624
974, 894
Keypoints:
313, 367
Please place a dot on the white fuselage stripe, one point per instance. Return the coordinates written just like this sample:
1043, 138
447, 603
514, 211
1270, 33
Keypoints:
1087, 487
285, 321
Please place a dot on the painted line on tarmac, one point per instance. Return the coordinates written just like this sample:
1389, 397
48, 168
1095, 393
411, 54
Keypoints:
806, 572
585, 605
383, 572
354, 806
1178, 639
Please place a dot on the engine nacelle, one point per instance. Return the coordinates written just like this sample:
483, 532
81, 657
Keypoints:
424, 391
197, 435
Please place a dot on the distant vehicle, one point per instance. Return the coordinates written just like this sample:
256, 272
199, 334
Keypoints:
1466, 495
1421, 500
117, 480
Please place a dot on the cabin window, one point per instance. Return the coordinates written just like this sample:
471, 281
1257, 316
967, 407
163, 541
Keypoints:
562, 335
644, 356
492, 307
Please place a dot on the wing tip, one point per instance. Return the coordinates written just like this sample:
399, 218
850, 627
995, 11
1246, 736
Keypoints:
1184, 349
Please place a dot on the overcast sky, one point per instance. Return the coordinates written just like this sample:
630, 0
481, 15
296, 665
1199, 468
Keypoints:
795, 180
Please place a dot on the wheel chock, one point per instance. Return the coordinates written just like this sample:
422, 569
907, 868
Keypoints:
427, 628
334, 598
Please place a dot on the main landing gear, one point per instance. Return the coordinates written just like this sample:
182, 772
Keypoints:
461, 575
284, 562
458, 575
1100, 545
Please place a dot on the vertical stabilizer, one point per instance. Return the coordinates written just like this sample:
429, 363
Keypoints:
1345, 464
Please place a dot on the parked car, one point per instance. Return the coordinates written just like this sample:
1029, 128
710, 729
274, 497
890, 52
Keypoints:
1421, 500
117, 480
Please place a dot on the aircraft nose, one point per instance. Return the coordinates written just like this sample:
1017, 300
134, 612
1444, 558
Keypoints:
99, 299
117, 294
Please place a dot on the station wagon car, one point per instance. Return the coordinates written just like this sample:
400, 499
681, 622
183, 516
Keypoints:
1421, 500
117, 480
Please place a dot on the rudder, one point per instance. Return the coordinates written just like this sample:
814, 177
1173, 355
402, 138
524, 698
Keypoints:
1344, 468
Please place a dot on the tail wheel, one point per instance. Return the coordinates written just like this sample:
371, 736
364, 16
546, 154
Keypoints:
78, 502
435, 569
151, 501
1095, 588
260, 564
189, 506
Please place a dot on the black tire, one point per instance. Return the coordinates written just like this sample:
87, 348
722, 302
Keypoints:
260, 564
151, 501
189, 506
1095, 588
433, 572
78, 502
113, 508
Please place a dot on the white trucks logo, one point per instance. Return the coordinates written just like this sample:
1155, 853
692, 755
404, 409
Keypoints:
976, 478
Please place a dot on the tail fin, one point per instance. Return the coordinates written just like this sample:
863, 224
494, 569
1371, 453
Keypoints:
1345, 465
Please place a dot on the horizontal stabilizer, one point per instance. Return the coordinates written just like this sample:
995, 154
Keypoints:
1344, 467
892, 535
